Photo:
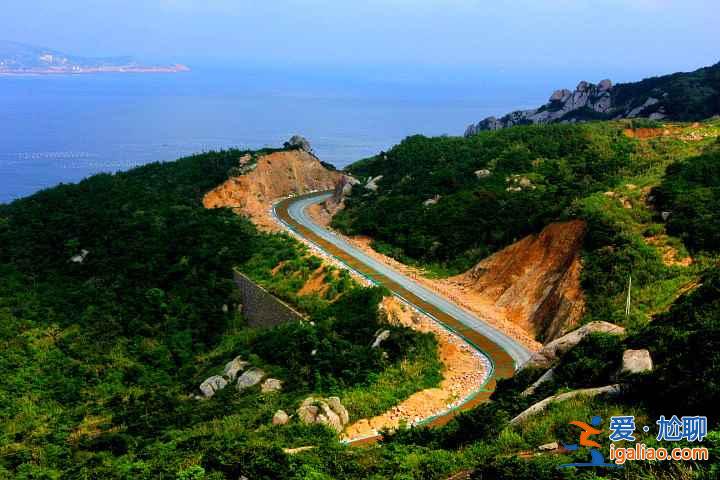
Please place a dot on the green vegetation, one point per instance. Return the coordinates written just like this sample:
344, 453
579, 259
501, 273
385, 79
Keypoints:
690, 193
496, 187
117, 300
683, 380
683, 96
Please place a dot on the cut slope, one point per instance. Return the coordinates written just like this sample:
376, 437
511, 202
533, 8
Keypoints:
275, 175
536, 280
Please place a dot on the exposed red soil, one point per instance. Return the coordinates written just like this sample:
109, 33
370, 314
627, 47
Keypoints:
276, 175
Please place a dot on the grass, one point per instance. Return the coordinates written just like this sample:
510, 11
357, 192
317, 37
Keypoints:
393, 385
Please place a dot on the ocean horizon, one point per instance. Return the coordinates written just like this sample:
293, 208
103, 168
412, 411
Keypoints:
61, 129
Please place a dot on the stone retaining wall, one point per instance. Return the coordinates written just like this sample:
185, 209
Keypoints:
260, 307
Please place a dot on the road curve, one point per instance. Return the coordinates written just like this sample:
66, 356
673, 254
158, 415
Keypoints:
505, 353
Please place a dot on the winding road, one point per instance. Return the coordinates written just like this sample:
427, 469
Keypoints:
505, 353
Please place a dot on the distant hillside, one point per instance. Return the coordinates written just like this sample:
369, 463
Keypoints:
680, 97
17, 58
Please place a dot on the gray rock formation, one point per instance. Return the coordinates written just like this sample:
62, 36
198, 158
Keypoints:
372, 184
432, 201
343, 188
271, 385
338, 408
250, 378
636, 361
545, 357
587, 102
280, 418
328, 412
546, 377
233, 367
80, 258
540, 406
548, 447
212, 385
298, 141
380, 336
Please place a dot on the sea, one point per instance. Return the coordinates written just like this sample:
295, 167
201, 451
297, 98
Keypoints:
60, 129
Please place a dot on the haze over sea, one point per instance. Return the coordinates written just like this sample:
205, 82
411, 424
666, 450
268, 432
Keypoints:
63, 129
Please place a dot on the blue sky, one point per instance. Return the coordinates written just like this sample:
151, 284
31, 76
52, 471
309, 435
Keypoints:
623, 38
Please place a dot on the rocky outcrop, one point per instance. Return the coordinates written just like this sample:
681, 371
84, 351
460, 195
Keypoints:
432, 201
343, 188
80, 257
561, 106
326, 411
298, 141
212, 385
555, 349
540, 406
548, 447
276, 175
250, 378
271, 385
372, 183
636, 361
688, 96
536, 280
380, 336
233, 367
546, 377
587, 102
280, 418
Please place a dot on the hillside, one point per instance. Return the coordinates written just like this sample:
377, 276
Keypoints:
265, 178
445, 204
640, 201
117, 302
17, 58
676, 97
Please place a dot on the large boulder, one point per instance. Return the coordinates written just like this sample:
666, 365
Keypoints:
325, 411
80, 258
250, 378
233, 367
636, 361
298, 141
372, 184
555, 349
432, 201
546, 377
280, 418
605, 85
212, 385
271, 385
380, 336
339, 408
610, 390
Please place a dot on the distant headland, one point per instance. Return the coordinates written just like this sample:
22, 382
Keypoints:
20, 59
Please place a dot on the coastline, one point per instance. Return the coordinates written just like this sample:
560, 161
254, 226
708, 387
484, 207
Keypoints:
74, 70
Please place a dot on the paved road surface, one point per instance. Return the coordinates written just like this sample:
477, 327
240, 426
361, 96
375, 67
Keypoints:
297, 211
